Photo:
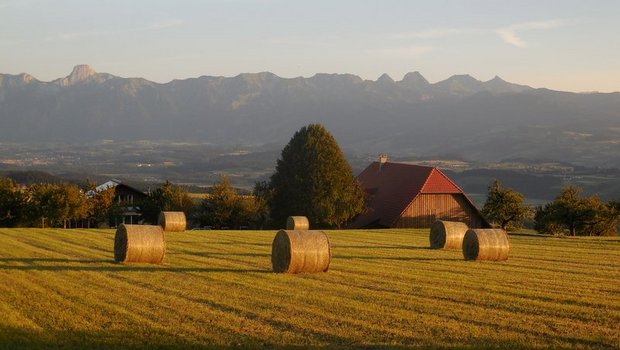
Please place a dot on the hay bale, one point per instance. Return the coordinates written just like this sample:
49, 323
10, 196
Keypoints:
172, 221
297, 223
486, 244
139, 243
295, 251
447, 234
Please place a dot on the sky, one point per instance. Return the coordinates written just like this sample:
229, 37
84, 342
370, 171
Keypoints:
562, 45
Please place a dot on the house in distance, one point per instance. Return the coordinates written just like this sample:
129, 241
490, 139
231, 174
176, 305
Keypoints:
404, 195
127, 198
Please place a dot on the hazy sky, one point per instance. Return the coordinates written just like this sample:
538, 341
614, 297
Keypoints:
563, 45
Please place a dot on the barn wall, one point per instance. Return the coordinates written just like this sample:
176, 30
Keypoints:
427, 208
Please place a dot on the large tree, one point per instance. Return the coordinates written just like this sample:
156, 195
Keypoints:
312, 178
505, 207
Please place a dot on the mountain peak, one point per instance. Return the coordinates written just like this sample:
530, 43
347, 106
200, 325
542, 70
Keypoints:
385, 78
414, 78
499, 85
26, 78
462, 77
79, 74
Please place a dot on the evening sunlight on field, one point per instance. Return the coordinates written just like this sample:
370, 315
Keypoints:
384, 289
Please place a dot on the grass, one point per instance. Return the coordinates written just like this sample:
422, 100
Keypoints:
385, 289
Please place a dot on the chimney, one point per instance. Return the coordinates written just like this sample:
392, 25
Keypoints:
382, 160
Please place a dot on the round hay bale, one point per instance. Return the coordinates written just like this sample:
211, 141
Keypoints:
172, 221
139, 243
297, 223
486, 244
447, 234
295, 251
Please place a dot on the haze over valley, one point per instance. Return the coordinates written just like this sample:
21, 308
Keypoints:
196, 129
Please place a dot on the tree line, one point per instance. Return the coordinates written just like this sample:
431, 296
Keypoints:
54, 205
69, 205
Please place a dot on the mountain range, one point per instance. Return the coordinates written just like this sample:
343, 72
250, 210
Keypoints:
459, 117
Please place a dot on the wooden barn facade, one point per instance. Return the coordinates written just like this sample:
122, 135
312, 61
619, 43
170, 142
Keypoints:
404, 195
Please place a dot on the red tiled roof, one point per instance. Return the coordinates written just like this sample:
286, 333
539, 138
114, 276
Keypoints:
393, 186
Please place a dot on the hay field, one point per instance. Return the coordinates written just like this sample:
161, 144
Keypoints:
384, 289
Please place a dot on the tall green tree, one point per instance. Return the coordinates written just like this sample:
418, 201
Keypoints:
505, 207
12, 203
167, 197
312, 178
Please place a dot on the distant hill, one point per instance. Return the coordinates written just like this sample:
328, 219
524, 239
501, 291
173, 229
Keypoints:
31, 177
483, 121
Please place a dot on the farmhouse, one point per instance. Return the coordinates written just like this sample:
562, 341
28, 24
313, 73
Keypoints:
127, 198
406, 195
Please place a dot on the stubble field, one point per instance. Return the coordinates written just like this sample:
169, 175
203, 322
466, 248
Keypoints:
385, 289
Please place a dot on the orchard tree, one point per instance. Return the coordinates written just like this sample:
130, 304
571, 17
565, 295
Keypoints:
312, 178
72, 203
168, 197
57, 204
571, 214
225, 208
101, 205
42, 204
505, 207
218, 209
263, 194
12, 203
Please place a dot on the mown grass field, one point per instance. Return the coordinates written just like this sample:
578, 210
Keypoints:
385, 289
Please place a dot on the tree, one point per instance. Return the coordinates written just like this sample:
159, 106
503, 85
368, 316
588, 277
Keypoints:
217, 210
168, 197
605, 219
225, 208
58, 204
312, 178
12, 203
263, 195
101, 205
571, 214
72, 203
505, 207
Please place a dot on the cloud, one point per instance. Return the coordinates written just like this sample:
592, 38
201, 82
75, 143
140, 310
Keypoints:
510, 34
510, 37
401, 52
